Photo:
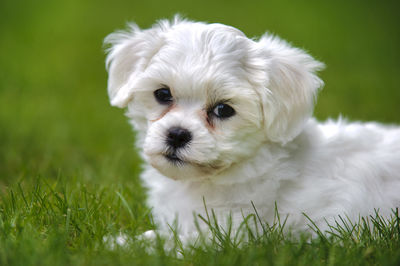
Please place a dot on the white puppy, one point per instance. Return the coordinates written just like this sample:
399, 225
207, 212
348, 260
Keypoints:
226, 118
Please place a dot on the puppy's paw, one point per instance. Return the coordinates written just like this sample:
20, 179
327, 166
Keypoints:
113, 242
149, 235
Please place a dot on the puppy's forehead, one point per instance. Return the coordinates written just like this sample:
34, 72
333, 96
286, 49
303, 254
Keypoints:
202, 61
202, 37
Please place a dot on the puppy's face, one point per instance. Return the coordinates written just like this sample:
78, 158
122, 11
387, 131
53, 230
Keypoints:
204, 97
198, 127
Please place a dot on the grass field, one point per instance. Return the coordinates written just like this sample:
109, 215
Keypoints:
68, 168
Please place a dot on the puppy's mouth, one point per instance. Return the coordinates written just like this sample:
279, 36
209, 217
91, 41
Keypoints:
173, 158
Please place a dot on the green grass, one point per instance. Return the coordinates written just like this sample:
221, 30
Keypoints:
65, 223
68, 168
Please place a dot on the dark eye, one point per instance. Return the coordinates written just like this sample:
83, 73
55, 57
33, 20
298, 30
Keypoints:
163, 96
223, 111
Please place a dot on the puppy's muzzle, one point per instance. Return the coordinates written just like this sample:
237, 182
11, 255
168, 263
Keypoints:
178, 137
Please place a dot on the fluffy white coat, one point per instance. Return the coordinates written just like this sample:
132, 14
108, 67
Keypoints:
271, 151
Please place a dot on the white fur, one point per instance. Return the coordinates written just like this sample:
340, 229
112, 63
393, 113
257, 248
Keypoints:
270, 151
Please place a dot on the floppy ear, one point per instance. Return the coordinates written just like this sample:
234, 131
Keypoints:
292, 84
128, 55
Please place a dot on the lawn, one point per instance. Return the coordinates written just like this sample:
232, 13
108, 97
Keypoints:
68, 167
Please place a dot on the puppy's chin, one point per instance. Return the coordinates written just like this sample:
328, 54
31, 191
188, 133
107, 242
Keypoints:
181, 169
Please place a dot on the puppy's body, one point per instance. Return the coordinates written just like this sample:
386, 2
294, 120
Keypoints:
226, 118
330, 169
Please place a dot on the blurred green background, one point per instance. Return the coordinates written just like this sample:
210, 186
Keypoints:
55, 119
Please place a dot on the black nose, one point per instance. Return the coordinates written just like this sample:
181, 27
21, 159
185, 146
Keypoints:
178, 137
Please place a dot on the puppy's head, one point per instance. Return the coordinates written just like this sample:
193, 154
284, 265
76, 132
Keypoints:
204, 97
